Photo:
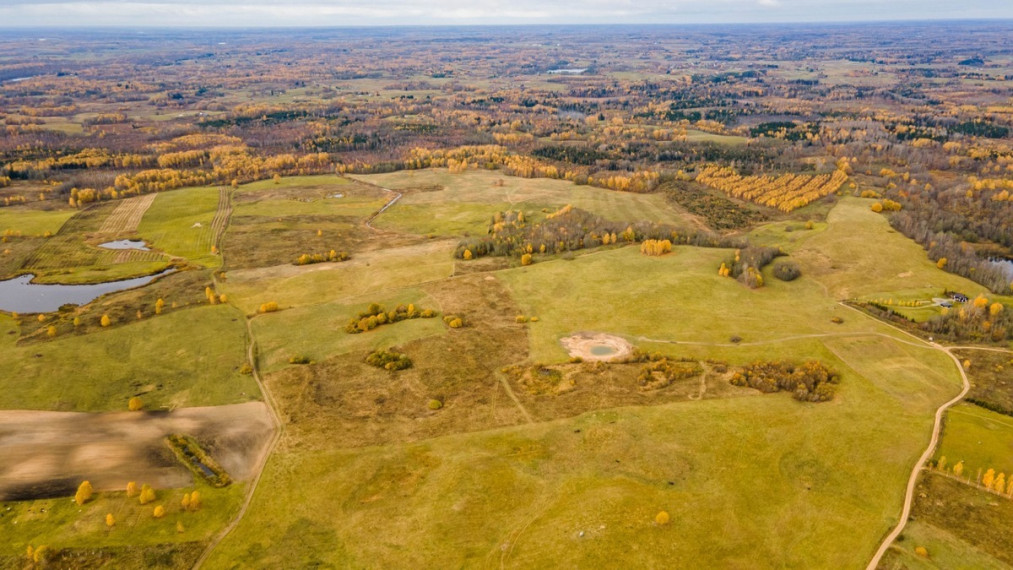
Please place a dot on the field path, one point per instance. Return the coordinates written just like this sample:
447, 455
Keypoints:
391, 202
909, 496
220, 223
222, 215
127, 215
261, 463
510, 392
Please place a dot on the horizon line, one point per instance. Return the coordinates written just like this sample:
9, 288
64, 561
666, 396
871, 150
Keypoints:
170, 27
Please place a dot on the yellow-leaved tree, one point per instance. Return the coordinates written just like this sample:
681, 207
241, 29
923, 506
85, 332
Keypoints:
84, 492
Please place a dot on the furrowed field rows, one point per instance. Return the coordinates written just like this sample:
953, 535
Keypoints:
127, 215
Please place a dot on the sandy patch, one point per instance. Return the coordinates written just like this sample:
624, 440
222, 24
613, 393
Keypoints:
49, 453
593, 347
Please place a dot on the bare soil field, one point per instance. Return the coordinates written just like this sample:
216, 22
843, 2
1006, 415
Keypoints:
47, 454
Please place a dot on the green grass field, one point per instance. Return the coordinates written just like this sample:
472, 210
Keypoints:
982, 439
367, 475
182, 358
467, 201
583, 491
318, 331
30, 222
62, 524
179, 223
367, 275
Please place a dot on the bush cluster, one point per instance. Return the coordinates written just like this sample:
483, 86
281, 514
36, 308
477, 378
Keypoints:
309, 258
811, 381
388, 360
661, 373
375, 315
453, 321
787, 270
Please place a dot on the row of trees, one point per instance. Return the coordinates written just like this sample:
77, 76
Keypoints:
375, 315
335, 256
785, 192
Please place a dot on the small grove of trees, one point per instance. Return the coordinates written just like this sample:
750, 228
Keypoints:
389, 360
747, 265
268, 307
978, 320
886, 206
335, 256
654, 247
810, 381
375, 315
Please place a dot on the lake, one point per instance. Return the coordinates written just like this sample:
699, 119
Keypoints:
20, 295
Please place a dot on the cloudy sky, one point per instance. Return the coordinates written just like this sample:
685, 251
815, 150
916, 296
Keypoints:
241, 13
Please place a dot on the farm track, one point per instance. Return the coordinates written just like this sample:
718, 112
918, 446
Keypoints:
218, 227
222, 216
126, 218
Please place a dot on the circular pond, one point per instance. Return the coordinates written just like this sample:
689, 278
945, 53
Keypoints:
603, 350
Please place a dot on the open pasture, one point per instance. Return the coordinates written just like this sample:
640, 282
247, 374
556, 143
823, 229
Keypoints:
443, 203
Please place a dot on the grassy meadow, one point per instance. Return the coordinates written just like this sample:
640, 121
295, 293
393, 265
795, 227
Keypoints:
179, 359
179, 223
583, 490
450, 463
438, 202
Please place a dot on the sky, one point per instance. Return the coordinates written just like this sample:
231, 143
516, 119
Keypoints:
274, 13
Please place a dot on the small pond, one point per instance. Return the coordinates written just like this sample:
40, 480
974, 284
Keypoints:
125, 244
20, 295
603, 350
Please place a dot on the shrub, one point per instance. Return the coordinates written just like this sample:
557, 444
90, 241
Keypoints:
787, 270
135, 404
269, 307
299, 359
661, 373
435, 404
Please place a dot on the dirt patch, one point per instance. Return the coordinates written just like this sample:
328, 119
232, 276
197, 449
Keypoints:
47, 453
597, 347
